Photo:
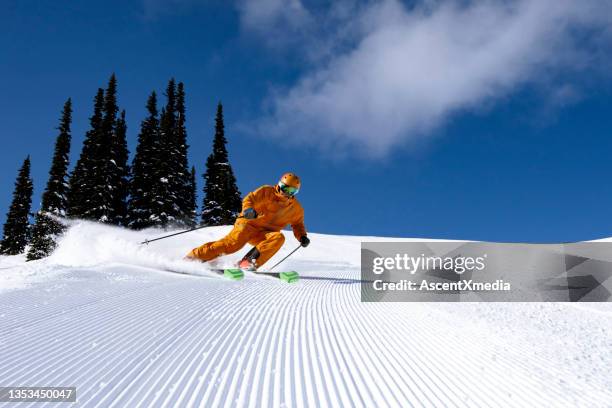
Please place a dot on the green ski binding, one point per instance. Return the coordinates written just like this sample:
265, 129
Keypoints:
289, 277
233, 274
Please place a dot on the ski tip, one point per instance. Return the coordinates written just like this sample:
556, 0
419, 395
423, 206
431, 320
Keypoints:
233, 274
289, 277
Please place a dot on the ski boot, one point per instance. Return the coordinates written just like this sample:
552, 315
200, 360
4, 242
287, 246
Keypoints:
247, 263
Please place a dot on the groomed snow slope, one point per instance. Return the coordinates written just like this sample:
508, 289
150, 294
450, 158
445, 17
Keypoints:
102, 315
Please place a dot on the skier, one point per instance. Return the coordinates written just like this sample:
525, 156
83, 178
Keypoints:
265, 212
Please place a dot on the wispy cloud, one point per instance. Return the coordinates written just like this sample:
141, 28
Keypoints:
275, 20
396, 73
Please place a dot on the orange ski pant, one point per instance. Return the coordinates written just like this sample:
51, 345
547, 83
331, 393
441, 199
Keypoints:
266, 242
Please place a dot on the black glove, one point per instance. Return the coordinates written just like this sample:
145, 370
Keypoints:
304, 241
249, 214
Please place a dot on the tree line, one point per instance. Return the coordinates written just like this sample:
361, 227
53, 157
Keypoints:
158, 188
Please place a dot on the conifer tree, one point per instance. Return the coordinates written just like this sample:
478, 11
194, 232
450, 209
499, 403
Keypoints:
182, 181
98, 185
166, 194
17, 226
222, 201
46, 228
81, 187
119, 172
192, 206
104, 190
143, 185
169, 179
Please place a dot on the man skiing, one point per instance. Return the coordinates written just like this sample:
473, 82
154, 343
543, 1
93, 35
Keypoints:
265, 212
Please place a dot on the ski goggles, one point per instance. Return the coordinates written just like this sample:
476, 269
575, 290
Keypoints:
287, 190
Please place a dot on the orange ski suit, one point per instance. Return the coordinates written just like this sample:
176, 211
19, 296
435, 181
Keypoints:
274, 212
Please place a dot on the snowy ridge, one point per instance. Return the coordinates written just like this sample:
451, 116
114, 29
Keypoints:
101, 314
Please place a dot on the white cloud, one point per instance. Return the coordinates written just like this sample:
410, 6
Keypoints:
258, 13
411, 69
276, 21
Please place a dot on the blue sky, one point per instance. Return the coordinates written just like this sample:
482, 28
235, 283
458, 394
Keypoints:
442, 119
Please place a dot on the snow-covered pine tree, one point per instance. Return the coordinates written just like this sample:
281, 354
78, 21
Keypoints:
142, 205
17, 226
46, 228
168, 180
98, 185
81, 187
101, 202
119, 172
165, 180
104, 189
182, 182
192, 206
222, 202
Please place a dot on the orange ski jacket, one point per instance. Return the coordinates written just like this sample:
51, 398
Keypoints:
274, 212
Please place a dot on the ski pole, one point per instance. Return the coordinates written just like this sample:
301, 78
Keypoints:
146, 241
290, 253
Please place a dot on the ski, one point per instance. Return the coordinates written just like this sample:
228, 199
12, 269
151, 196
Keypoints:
287, 276
237, 274
230, 273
